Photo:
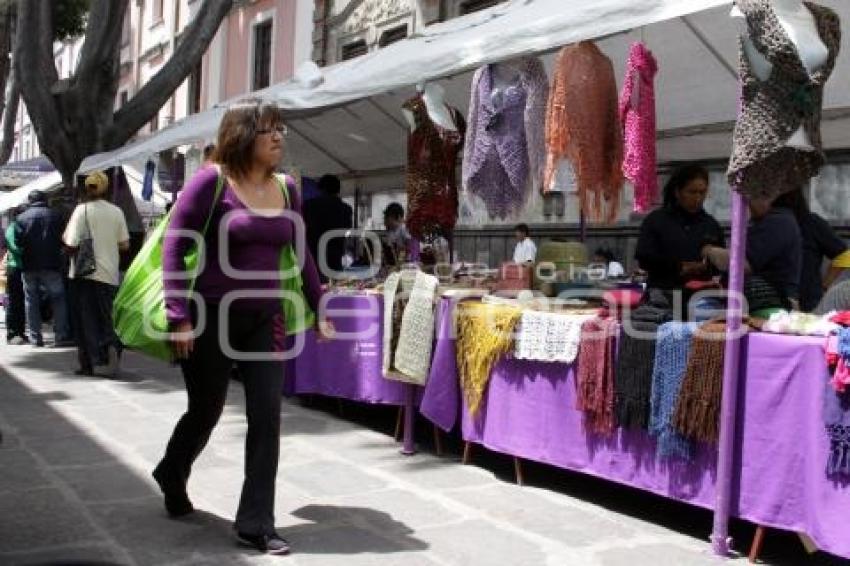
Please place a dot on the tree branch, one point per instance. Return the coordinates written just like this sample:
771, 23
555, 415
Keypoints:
142, 107
103, 40
10, 113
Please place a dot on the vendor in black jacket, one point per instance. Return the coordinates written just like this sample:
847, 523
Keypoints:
672, 237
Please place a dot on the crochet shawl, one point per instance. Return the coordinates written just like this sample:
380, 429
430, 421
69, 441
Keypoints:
582, 125
671, 358
504, 147
408, 327
595, 374
637, 115
484, 334
549, 337
772, 110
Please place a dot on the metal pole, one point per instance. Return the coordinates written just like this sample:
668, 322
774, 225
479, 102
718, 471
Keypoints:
720, 539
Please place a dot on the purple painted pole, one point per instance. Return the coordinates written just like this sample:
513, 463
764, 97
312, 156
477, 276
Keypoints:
409, 413
720, 540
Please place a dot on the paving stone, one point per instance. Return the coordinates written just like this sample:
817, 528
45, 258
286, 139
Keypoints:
658, 555
19, 471
561, 522
49, 427
474, 543
331, 478
41, 518
346, 541
88, 554
97, 484
433, 473
78, 451
399, 510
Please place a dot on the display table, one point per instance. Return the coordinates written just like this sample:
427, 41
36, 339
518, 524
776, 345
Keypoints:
529, 412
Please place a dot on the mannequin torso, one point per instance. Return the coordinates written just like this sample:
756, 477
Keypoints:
800, 26
433, 95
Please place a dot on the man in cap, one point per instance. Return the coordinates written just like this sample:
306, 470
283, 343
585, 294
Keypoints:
38, 234
98, 347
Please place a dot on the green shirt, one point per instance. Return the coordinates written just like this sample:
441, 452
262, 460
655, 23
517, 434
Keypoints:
13, 260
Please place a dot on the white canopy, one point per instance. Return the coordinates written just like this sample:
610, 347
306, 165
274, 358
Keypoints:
350, 122
48, 183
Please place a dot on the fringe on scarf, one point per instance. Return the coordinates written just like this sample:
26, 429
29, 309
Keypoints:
839, 450
485, 333
634, 377
697, 413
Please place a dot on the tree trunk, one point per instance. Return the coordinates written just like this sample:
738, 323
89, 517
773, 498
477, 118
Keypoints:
11, 95
76, 118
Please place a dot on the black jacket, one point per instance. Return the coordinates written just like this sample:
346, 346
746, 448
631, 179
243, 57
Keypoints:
322, 215
38, 232
670, 236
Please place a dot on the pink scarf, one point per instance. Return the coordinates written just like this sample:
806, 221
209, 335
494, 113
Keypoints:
637, 114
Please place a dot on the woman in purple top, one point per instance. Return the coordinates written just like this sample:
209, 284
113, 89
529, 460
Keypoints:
234, 315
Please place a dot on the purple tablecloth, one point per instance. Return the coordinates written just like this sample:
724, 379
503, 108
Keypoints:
348, 367
529, 411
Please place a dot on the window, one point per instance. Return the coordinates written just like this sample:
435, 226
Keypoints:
476, 5
155, 122
125, 96
125, 28
157, 11
262, 55
354, 49
195, 89
392, 35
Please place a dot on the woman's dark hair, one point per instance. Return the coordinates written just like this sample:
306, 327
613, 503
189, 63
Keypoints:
394, 210
680, 178
522, 228
330, 185
794, 201
608, 255
234, 149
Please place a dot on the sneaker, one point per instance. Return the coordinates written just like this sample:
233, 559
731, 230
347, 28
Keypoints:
177, 502
65, 344
39, 343
17, 341
88, 372
270, 544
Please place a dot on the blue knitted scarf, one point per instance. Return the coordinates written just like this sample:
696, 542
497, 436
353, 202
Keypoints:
671, 359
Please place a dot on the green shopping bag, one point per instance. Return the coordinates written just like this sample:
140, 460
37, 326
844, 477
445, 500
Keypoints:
138, 313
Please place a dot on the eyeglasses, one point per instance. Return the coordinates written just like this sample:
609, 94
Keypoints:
279, 129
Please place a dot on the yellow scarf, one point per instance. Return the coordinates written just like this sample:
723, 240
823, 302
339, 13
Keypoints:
484, 334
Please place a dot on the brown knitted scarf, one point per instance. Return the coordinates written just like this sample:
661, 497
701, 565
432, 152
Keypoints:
595, 374
697, 414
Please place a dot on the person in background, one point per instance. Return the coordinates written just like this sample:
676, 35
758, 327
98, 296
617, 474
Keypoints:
323, 214
613, 269
98, 348
38, 234
209, 153
250, 147
774, 258
671, 238
399, 245
525, 251
16, 334
819, 242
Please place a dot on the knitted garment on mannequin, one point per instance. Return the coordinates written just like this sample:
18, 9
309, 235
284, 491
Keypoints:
637, 115
583, 125
772, 110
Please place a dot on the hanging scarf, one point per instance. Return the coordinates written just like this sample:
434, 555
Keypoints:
697, 413
484, 334
549, 337
633, 387
595, 374
582, 125
504, 146
836, 404
408, 326
637, 115
671, 358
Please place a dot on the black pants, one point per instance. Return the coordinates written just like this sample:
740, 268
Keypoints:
92, 321
16, 319
207, 374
